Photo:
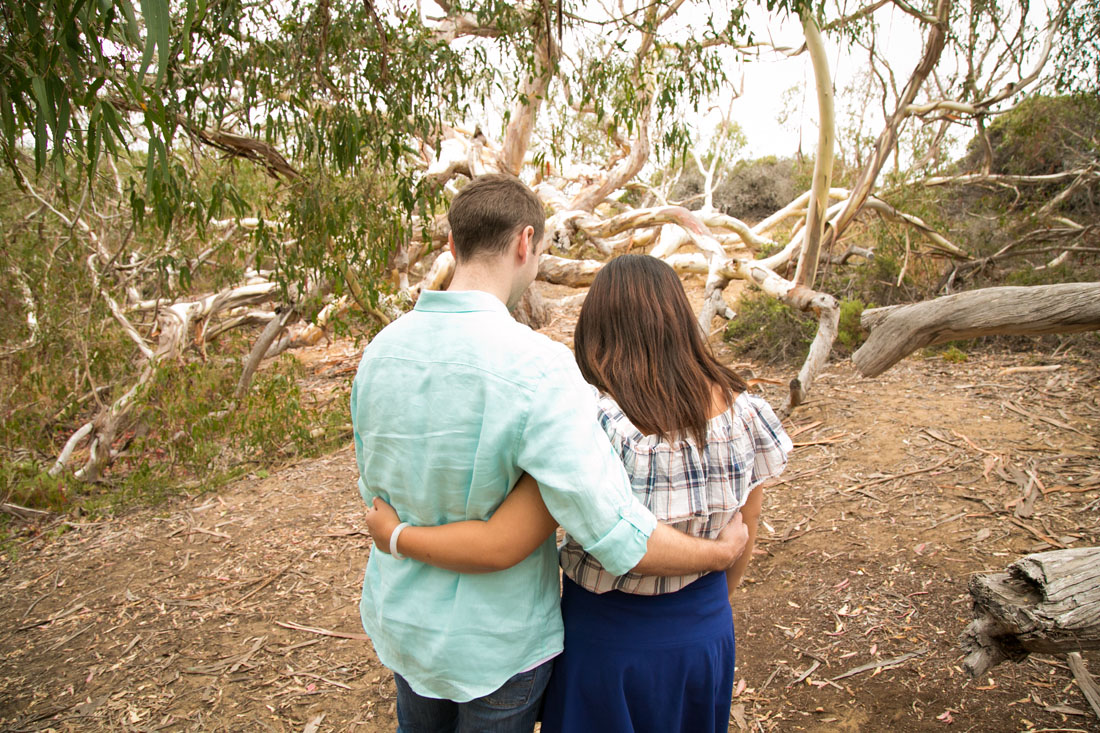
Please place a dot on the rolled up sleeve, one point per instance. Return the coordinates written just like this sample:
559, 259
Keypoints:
581, 479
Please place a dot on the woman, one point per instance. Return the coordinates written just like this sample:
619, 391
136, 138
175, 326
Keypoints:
641, 652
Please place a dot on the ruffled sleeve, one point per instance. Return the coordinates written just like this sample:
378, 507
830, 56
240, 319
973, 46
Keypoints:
609, 415
771, 444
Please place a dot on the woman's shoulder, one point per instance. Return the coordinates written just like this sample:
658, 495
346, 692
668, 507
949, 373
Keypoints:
747, 407
748, 413
753, 415
614, 421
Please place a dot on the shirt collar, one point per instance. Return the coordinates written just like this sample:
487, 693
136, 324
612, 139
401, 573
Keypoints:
461, 301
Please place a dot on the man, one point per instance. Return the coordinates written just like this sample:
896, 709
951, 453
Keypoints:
451, 404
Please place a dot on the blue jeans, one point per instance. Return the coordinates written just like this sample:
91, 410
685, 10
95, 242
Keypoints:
513, 708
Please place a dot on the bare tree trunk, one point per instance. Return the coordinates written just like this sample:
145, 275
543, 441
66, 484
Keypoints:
621, 174
105, 426
899, 330
440, 272
517, 136
827, 310
806, 273
533, 310
262, 346
714, 304
562, 271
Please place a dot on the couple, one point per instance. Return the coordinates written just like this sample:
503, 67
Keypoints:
455, 403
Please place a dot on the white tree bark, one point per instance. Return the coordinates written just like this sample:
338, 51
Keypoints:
806, 273
517, 136
899, 330
176, 322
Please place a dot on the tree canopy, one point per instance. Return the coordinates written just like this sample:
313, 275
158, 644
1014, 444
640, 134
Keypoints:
196, 159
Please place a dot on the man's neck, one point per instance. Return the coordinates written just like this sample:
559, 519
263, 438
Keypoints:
488, 277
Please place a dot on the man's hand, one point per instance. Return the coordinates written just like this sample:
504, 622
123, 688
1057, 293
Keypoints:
733, 538
381, 521
672, 552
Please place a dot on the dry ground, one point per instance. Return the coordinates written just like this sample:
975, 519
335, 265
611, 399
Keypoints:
237, 611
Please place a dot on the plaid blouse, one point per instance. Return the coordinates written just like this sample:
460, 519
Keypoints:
697, 492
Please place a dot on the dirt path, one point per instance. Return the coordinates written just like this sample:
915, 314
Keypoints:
190, 617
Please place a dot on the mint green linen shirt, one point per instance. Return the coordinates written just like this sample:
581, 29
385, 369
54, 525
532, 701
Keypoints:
451, 403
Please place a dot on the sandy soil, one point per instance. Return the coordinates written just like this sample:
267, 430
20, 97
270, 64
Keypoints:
236, 611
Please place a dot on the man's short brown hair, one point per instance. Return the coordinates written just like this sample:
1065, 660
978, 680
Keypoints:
489, 212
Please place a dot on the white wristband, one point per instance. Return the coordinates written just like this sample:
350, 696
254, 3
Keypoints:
393, 541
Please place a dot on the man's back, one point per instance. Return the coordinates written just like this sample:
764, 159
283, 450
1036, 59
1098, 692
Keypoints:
439, 406
446, 392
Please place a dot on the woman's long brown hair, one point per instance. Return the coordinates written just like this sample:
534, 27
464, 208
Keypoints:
638, 340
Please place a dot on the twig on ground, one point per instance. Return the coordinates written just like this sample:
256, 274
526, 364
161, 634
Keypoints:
293, 673
1084, 680
939, 522
805, 674
796, 476
70, 637
823, 441
323, 632
1045, 538
1049, 420
884, 479
270, 579
771, 677
884, 664
1029, 369
795, 431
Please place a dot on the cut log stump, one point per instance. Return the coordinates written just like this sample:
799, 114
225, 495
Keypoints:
1048, 602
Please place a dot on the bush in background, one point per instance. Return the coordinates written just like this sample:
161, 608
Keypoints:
749, 189
768, 331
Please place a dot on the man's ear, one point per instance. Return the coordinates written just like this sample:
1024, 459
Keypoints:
523, 246
451, 245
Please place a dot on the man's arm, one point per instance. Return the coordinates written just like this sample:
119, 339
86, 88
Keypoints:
671, 552
522, 523
585, 487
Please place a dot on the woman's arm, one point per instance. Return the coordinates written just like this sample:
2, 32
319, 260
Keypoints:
750, 515
519, 525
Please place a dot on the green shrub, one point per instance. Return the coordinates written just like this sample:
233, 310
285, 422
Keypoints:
850, 334
1043, 135
63, 356
769, 331
953, 354
188, 435
754, 189
26, 484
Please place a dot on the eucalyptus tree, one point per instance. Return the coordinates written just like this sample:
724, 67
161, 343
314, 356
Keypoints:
367, 116
109, 110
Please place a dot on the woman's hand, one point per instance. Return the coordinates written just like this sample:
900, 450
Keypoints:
381, 521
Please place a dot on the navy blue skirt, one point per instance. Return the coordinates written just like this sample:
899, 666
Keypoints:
643, 663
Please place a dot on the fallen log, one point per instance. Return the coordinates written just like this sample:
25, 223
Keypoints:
1048, 603
899, 330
